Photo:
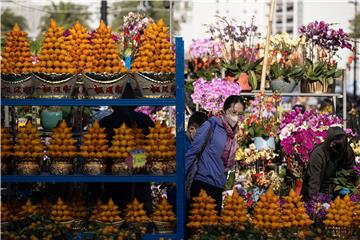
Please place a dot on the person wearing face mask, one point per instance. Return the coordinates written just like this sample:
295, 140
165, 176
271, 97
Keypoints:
215, 152
327, 158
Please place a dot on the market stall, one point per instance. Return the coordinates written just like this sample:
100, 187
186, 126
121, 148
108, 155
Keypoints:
49, 162
39, 155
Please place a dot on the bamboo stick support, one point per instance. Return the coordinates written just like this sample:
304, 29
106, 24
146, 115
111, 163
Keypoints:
269, 29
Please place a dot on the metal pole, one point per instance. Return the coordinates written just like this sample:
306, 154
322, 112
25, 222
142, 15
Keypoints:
171, 21
103, 11
355, 50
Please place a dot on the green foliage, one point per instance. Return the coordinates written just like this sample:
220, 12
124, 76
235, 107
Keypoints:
156, 12
230, 181
212, 71
8, 20
278, 71
65, 14
343, 179
35, 46
321, 71
241, 65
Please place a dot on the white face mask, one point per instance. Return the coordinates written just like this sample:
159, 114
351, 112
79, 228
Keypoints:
232, 119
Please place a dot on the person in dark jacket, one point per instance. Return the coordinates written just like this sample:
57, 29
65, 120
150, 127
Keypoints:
219, 154
195, 121
334, 154
123, 193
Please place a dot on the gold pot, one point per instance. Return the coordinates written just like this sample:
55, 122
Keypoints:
28, 168
16, 86
94, 168
138, 224
113, 224
164, 227
61, 168
120, 168
171, 166
156, 85
54, 85
67, 224
104, 86
316, 87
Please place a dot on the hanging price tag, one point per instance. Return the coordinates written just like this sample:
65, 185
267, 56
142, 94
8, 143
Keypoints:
138, 158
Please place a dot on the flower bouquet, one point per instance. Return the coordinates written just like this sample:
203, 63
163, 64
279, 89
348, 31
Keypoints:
133, 28
240, 51
320, 45
210, 95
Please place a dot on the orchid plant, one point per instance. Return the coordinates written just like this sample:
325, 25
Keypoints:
210, 95
300, 132
238, 43
285, 59
205, 55
320, 45
261, 119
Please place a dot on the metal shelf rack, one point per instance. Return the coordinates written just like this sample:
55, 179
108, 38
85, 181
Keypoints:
87, 178
178, 177
334, 96
89, 102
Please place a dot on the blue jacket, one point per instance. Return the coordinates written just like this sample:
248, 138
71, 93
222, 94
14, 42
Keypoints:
187, 144
211, 168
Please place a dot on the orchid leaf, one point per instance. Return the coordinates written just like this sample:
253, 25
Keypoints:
253, 80
230, 181
338, 74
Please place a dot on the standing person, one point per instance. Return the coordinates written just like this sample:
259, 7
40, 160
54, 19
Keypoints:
334, 154
123, 193
218, 155
195, 121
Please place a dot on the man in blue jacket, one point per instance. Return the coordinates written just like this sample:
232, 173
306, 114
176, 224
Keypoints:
195, 121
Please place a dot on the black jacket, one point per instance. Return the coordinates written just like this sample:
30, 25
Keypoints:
123, 193
128, 116
324, 164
